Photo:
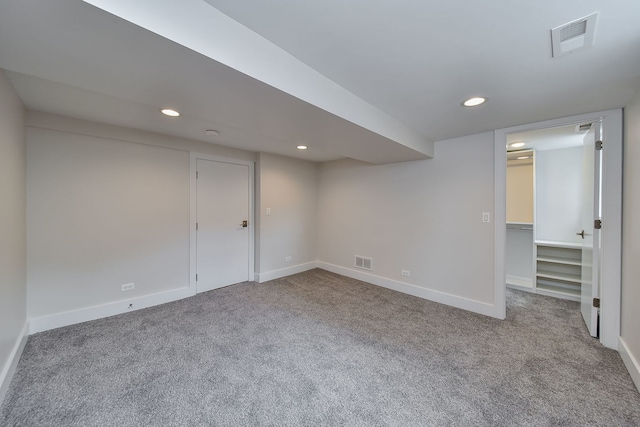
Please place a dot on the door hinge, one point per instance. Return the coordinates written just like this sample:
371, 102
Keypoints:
196, 226
597, 224
596, 302
196, 277
598, 145
196, 174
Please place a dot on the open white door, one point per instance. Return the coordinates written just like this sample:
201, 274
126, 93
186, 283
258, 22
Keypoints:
590, 289
223, 232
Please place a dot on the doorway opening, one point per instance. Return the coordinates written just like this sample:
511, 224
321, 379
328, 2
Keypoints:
551, 192
546, 239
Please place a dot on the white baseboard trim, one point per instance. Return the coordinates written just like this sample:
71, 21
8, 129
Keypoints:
428, 294
66, 318
632, 364
284, 272
12, 363
519, 282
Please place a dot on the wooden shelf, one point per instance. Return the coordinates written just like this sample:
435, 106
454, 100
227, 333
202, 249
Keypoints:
559, 260
554, 244
560, 277
559, 269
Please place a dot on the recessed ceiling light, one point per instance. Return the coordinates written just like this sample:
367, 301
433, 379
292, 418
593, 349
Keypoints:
522, 158
212, 132
516, 144
302, 147
169, 112
472, 102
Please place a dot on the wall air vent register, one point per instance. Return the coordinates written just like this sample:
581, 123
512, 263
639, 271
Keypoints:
363, 262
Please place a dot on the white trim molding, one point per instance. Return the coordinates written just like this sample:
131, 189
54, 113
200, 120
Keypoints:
519, 282
416, 291
9, 368
284, 272
611, 238
66, 318
499, 229
630, 361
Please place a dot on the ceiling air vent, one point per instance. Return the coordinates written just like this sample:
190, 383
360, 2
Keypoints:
574, 35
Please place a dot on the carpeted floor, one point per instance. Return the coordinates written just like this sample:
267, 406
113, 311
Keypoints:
320, 349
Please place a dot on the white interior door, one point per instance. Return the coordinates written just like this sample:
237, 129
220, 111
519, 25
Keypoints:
590, 288
222, 214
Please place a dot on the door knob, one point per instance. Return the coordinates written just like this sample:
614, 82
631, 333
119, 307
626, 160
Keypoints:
581, 234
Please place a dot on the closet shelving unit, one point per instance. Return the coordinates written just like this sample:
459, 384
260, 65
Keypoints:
558, 269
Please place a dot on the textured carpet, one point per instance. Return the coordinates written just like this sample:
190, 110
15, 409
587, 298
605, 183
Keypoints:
320, 349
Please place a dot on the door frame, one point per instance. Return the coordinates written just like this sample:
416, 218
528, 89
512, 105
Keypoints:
193, 158
611, 234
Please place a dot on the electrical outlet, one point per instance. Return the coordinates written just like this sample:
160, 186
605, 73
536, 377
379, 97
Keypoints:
268, 211
406, 273
486, 217
128, 287
288, 258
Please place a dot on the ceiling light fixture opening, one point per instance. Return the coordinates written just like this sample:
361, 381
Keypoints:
474, 102
516, 144
169, 112
302, 147
522, 158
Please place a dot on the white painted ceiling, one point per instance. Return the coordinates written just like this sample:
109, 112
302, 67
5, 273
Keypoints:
372, 80
417, 60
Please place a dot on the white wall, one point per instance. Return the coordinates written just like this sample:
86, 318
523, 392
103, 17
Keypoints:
631, 241
289, 188
102, 213
13, 283
519, 256
106, 206
559, 194
109, 206
423, 216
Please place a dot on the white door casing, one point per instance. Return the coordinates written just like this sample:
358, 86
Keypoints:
611, 233
222, 249
590, 236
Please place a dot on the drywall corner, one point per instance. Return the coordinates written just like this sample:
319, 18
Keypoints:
284, 272
6, 375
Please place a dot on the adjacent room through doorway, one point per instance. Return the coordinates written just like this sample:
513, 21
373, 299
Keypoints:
560, 187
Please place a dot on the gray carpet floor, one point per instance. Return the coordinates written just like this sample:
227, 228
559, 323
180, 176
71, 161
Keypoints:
320, 349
